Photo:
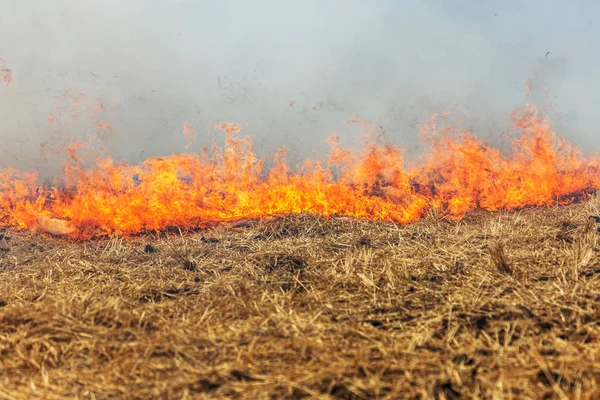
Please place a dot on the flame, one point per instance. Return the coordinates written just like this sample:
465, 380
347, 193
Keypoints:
458, 173
54, 226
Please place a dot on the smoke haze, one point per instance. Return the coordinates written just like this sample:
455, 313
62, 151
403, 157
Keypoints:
292, 73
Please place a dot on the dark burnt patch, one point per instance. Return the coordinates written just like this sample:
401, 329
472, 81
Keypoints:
190, 265
205, 386
364, 242
445, 390
209, 240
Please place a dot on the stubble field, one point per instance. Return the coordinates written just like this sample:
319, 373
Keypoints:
499, 305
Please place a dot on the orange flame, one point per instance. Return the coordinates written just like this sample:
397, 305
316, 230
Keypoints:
459, 173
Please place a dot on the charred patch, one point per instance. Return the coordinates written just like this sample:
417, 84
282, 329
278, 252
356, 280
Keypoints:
190, 265
364, 242
481, 322
242, 376
445, 390
376, 323
149, 249
209, 240
205, 386
545, 326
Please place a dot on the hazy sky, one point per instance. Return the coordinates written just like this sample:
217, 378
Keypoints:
157, 64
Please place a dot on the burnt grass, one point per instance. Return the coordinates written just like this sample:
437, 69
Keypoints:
499, 305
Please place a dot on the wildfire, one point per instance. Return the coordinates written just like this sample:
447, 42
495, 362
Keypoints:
458, 174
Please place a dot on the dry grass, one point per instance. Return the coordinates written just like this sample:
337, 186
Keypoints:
502, 305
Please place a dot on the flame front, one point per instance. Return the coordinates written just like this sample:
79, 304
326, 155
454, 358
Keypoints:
459, 173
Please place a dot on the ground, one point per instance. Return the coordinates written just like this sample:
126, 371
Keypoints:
499, 305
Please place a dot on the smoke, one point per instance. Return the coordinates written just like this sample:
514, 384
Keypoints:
292, 73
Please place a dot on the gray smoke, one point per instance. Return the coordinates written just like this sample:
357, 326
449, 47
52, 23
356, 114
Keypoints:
291, 72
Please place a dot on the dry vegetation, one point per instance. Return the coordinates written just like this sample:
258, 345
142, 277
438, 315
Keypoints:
503, 305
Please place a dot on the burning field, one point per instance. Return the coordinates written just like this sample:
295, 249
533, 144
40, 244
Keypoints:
472, 273
457, 174
256, 200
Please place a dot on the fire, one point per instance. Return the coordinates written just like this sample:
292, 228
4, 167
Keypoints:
458, 174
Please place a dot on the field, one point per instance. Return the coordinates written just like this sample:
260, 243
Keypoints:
499, 305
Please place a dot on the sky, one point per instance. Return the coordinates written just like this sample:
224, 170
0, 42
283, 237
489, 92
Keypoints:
292, 73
